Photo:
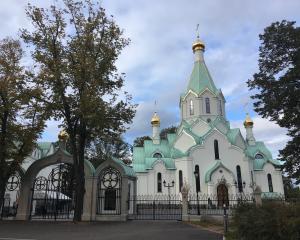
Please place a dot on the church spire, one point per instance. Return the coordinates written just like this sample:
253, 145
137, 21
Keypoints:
200, 78
198, 47
248, 123
155, 122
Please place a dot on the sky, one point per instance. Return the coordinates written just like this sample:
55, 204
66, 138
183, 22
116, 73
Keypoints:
159, 60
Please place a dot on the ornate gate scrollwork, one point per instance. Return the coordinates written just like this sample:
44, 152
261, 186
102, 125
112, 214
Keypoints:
52, 197
109, 192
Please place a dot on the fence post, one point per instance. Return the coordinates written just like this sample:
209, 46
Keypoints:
185, 192
257, 196
225, 219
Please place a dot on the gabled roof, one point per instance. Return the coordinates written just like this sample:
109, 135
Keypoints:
260, 148
213, 169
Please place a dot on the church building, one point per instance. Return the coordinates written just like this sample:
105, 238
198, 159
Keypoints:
205, 152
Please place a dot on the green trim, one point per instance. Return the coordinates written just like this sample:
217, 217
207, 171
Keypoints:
213, 169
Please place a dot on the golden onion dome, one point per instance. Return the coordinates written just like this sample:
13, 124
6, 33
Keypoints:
63, 135
248, 121
155, 119
198, 45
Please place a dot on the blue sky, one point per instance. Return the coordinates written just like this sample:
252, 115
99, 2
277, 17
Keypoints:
159, 60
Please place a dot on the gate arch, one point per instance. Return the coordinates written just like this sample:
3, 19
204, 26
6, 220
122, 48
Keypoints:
58, 157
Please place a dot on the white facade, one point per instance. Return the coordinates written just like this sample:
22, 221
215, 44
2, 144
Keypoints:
205, 141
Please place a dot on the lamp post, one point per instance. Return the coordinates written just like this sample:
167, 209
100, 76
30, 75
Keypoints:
169, 190
196, 173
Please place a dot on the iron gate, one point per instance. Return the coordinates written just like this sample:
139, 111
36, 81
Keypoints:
53, 197
109, 192
9, 203
157, 207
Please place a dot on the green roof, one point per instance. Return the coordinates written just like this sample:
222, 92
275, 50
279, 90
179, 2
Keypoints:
200, 79
214, 168
44, 147
260, 148
150, 148
129, 171
232, 134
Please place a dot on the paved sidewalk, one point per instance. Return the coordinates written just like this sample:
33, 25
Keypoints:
131, 230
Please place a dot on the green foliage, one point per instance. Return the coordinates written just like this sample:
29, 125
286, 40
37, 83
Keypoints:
101, 150
290, 190
139, 141
21, 115
278, 86
271, 221
164, 132
75, 49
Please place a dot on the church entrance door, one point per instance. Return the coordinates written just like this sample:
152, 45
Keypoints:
222, 192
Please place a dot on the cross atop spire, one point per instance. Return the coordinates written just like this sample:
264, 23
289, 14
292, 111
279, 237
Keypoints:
197, 31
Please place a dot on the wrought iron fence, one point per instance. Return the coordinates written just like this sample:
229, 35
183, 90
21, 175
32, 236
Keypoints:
155, 207
214, 205
109, 192
9, 203
53, 198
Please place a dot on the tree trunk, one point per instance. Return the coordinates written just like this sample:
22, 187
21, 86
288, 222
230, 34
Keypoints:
2, 194
80, 178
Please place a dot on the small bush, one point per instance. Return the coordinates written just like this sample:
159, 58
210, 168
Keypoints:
269, 222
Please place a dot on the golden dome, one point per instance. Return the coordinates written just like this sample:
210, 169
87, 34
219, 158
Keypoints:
198, 45
155, 119
63, 135
248, 121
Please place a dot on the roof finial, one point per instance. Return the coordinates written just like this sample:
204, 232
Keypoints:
197, 31
198, 44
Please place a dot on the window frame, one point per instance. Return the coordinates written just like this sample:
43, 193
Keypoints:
216, 149
207, 105
159, 182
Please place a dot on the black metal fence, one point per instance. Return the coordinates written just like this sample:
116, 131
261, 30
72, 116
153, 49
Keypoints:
155, 207
212, 205
109, 202
9, 203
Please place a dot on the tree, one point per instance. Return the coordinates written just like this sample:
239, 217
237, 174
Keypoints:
139, 141
278, 87
21, 118
100, 150
75, 48
164, 132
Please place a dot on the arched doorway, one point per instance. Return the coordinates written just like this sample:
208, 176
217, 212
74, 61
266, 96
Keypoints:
53, 194
222, 193
109, 192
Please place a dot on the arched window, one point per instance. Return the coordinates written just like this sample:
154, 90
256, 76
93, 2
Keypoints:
239, 178
197, 178
259, 156
159, 183
216, 147
191, 107
157, 155
220, 107
180, 180
270, 183
207, 105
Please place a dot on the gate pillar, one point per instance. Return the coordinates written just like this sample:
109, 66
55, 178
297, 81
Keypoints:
88, 199
185, 204
23, 212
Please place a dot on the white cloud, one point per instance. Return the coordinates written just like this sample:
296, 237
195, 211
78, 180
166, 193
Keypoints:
269, 132
159, 60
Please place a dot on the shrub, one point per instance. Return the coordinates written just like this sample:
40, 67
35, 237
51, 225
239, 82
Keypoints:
271, 221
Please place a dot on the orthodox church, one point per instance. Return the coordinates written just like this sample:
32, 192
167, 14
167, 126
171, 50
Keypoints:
205, 152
